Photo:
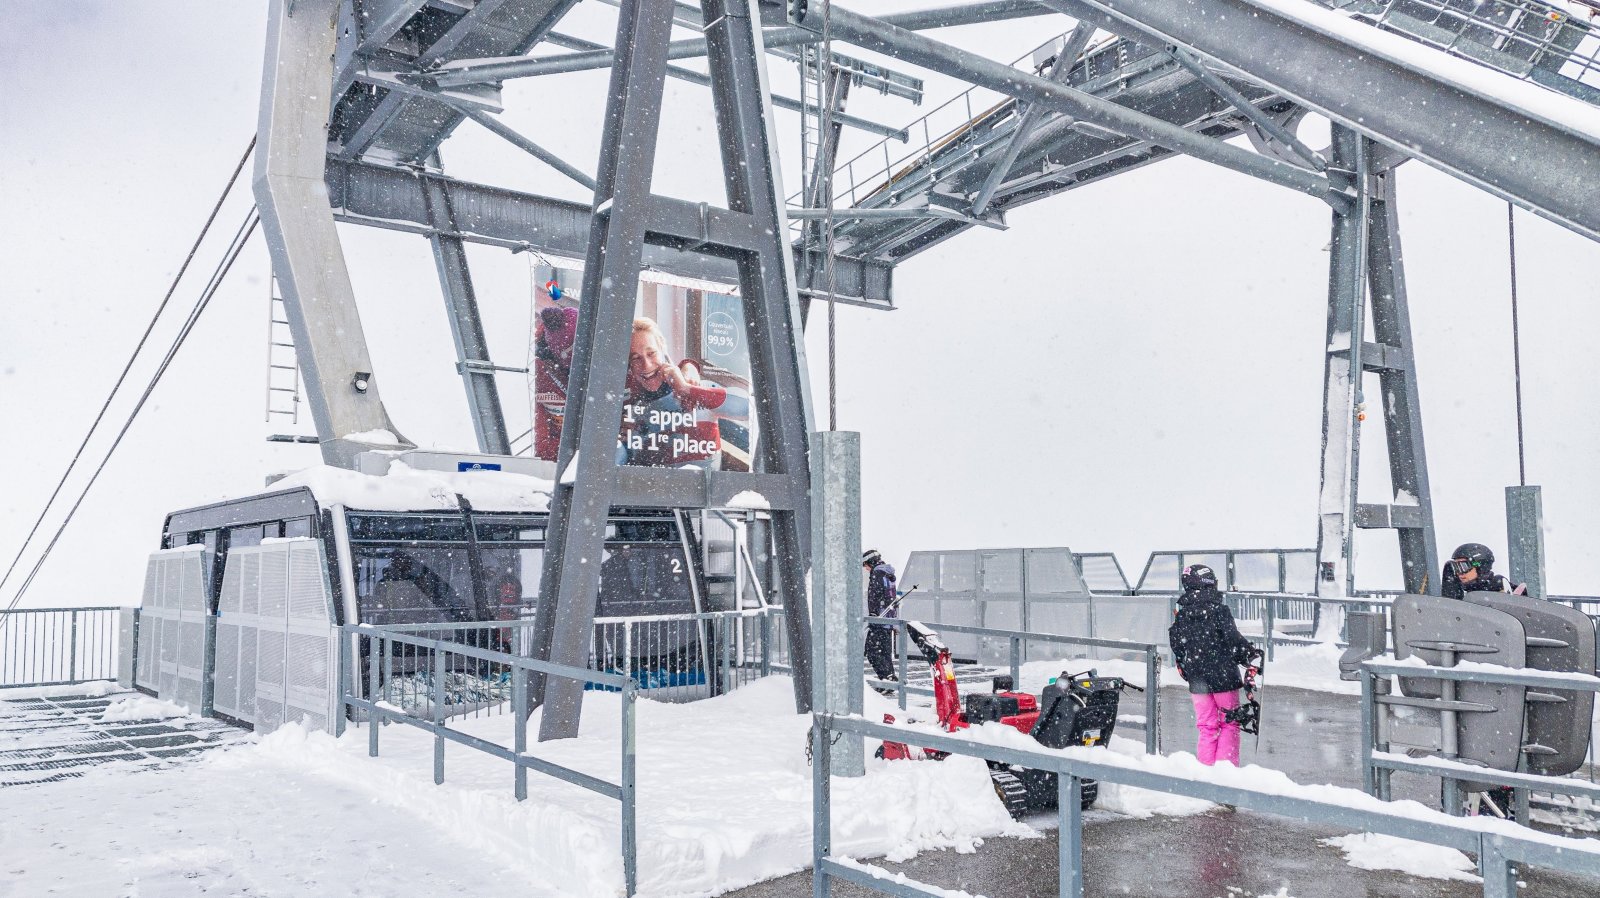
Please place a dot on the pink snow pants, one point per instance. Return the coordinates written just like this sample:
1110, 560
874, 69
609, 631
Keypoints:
1219, 741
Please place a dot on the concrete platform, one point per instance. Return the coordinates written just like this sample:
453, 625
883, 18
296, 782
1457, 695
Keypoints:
1312, 736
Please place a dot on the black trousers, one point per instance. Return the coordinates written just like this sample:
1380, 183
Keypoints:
880, 651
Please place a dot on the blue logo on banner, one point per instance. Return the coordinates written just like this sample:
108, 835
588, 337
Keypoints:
477, 466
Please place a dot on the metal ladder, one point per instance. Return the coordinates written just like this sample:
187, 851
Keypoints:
283, 367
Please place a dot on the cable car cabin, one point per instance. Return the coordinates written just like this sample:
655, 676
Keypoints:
335, 547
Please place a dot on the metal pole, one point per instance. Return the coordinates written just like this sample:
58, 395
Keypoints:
72, 662
1016, 662
901, 638
342, 709
837, 602
821, 805
438, 716
372, 694
1152, 710
1369, 782
519, 729
1069, 794
1525, 537
1271, 624
630, 823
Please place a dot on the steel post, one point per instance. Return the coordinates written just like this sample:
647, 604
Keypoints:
301, 237
837, 602
1397, 374
373, 717
1069, 834
902, 639
630, 819
587, 458
1369, 711
466, 325
438, 716
821, 804
1152, 703
1525, 537
1342, 378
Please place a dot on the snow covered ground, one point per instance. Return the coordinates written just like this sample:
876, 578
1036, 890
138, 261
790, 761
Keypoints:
724, 801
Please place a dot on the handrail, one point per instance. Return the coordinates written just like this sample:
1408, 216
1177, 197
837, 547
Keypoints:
380, 712
59, 646
1497, 843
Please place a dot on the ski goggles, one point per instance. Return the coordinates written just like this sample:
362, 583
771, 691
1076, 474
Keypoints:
1462, 565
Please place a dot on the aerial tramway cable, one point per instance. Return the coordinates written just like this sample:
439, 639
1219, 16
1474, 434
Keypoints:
827, 94
137, 349
241, 237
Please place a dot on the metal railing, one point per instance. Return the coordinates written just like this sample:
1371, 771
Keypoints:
58, 646
674, 657
368, 649
1378, 764
1497, 849
1294, 619
1150, 654
1527, 39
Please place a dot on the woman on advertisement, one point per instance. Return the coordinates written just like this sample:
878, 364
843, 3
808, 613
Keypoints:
666, 420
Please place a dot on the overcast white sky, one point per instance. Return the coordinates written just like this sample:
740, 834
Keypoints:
1133, 366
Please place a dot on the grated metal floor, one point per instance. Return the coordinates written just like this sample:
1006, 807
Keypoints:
44, 740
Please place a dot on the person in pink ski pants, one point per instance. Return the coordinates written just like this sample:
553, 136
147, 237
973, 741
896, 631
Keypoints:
1208, 649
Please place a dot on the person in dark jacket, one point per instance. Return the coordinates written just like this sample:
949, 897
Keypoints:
881, 596
1208, 649
1471, 569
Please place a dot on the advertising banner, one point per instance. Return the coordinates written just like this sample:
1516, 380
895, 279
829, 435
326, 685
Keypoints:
688, 400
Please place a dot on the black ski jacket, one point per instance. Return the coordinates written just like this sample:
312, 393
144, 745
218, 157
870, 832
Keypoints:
1206, 644
881, 591
1451, 587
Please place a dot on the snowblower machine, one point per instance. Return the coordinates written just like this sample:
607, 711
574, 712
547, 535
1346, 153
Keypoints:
1074, 709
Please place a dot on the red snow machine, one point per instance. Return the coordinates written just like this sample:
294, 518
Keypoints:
1075, 709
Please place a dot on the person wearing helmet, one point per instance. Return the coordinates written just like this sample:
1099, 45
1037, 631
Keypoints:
881, 595
1471, 569
1208, 649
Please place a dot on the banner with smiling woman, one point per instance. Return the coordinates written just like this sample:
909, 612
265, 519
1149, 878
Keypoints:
688, 400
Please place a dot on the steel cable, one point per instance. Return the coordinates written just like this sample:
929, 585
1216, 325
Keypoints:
241, 237
137, 349
1516, 341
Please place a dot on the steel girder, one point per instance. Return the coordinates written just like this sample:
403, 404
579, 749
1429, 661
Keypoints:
386, 197
341, 386
478, 71
1547, 166
883, 37
1365, 265
626, 217
466, 325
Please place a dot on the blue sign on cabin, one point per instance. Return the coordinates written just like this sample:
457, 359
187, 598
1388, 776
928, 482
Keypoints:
477, 466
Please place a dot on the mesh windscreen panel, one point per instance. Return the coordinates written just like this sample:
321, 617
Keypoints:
225, 695
307, 590
249, 567
274, 584
1053, 572
1101, 573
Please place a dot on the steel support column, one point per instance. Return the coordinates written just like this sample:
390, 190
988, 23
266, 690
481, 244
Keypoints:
466, 326
302, 238
1395, 363
626, 216
1341, 435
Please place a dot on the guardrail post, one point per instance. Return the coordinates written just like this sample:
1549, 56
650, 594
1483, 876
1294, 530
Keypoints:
1499, 878
1016, 663
438, 715
630, 826
1152, 706
72, 663
1369, 730
766, 645
519, 729
1270, 624
821, 805
341, 708
1069, 830
902, 640
376, 717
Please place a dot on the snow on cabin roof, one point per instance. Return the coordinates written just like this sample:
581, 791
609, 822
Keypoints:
406, 488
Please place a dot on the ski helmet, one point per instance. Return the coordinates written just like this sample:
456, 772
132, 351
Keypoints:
1472, 555
871, 557
1198, 576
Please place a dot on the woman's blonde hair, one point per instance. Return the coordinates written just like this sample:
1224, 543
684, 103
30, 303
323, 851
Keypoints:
649, 326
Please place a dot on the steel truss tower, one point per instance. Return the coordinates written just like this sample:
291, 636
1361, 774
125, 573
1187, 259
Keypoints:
358, 96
